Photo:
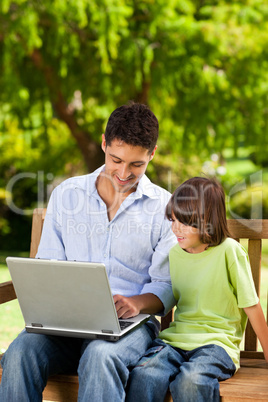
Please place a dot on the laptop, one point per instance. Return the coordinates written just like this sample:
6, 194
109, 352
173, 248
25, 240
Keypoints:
68, 298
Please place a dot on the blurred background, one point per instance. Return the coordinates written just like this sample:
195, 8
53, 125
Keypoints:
65, 65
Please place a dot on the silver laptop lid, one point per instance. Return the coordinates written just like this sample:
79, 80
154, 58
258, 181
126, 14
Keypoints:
67, 298
65, 295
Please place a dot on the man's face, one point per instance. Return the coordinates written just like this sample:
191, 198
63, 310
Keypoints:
125, 164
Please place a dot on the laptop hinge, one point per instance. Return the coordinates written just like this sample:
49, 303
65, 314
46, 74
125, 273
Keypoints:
36, 324
107, 331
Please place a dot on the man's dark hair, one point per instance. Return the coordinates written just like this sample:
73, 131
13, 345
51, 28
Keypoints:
135, 124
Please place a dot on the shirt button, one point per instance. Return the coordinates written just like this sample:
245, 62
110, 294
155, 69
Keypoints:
105, 255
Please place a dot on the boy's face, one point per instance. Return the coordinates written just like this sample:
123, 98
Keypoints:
125, 164
188, 237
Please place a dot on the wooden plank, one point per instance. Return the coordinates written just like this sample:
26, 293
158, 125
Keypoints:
241, 399
62, 388
252, 355
248, 382
254, 361
248, 228
165, 321
254, 252
37, 226
7, 292
231, 398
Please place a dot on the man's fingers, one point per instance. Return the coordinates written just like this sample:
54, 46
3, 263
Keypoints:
123, 307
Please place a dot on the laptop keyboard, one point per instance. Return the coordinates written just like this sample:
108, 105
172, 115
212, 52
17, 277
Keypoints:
124, 324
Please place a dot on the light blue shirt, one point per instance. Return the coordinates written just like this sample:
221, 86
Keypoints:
134, 245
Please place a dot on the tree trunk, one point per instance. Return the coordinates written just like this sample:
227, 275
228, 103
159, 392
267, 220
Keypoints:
90, 149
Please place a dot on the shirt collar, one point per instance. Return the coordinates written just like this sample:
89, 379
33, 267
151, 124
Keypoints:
145, 186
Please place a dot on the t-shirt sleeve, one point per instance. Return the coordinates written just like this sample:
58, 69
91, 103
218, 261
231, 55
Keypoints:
241, 279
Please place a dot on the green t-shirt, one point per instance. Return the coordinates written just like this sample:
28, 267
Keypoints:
212, 288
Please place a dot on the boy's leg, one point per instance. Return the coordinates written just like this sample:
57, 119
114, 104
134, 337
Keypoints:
199, 377
30, 359
104, 366
150, 379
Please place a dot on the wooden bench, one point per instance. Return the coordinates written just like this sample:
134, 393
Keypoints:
249, 384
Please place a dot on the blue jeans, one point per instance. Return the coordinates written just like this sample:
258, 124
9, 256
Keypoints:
191, 376
103, 367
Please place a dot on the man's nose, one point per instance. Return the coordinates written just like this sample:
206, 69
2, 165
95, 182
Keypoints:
124, 171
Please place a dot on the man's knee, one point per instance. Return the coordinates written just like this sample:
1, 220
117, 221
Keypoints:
17, 352
98, 354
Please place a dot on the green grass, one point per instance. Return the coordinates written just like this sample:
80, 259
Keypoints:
242, 167
10, 315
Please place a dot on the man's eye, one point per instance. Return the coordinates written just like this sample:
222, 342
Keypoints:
116, 161
139, 165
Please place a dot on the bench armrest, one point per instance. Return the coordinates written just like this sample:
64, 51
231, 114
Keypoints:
7, 292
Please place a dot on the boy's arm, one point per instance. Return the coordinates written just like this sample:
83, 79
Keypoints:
257, 320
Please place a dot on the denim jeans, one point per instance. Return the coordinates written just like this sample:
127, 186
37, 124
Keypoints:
191, 376
103, 367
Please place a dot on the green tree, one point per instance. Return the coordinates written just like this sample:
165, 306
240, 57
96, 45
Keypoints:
201, 65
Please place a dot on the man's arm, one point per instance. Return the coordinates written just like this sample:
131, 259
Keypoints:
127, 307
257, 320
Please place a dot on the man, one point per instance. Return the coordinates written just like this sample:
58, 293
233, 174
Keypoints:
115, 216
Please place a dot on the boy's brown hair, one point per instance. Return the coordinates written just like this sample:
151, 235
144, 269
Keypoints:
200, 202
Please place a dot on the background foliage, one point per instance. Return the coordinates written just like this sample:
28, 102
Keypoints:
65, 65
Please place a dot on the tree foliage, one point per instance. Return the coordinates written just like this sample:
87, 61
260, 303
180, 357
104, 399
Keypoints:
201, 66
65, 65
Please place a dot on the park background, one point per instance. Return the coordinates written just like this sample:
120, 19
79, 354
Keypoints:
65, 65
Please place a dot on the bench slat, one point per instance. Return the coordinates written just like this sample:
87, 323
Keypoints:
254, 252
7, 292
255, 379
61, 388
248, 228
37, 226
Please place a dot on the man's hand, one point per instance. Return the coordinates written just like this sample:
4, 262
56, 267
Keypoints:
127, 307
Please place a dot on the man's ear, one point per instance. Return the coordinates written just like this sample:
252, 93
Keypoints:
152, 154
103, 143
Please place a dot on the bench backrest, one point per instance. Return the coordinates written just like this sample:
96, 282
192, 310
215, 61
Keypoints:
254, 230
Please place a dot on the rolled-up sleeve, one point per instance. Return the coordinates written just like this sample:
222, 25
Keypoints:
160, 284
